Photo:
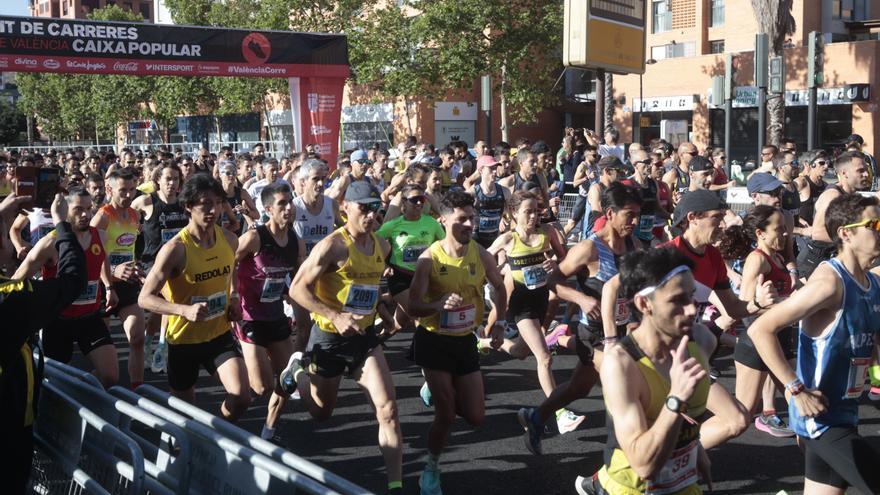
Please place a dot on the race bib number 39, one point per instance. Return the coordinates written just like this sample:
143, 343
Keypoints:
679, 472
361, 299
216, 304
458, 320
272, 290
89, 295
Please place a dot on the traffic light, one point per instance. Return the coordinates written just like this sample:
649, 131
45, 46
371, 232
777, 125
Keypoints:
815, 60
777, 75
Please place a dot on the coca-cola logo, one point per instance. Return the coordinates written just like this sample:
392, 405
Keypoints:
51, 63
26, 61
126, 66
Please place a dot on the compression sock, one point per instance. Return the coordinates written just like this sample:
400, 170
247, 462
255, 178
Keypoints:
395, 485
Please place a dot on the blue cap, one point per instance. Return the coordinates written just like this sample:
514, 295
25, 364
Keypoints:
762, 182
359, 156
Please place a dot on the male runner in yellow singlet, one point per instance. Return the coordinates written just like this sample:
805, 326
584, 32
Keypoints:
198, 266
447, 293
339, 284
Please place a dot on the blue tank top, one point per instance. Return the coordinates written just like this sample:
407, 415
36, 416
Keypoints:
489, 210
607, 270
837, 361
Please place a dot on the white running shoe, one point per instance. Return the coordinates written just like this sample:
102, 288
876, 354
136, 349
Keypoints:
160, 358
568, 421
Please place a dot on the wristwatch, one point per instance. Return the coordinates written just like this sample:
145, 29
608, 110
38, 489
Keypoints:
676, 405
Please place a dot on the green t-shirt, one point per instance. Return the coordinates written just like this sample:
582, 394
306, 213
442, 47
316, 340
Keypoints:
409, 238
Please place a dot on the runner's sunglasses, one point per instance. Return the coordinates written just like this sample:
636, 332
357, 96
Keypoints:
870, 223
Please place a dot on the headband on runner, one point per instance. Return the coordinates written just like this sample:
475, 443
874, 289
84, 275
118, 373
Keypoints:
666, 278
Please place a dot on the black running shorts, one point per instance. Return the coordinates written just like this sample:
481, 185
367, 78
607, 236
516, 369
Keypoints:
127, 293
89, 333
525, 304
746, 354
262, 333
184, 359
457, 355
332, 354
399, 281
841, 458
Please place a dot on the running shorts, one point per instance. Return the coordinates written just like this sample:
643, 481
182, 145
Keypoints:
590, 337
262, 333
399, 281
746, 354
184, 359
332, 354
457, 355
525, 304
841, 458
89, 333
127, 293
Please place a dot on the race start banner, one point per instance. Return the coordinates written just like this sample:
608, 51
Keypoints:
31, 44
316, 104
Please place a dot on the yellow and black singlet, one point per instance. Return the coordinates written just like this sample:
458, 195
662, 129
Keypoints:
205, 278
678, 476
464, 276
353, 287
527, 262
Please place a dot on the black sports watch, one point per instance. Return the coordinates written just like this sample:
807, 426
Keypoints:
676, 405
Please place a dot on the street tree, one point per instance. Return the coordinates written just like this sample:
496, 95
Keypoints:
774, 18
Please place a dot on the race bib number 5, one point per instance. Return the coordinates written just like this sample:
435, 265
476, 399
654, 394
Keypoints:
361, 299
216, 304
458, 320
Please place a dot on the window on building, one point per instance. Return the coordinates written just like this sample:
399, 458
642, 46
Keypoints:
661, 13
674, 50
716, 46
716, 13
849, 10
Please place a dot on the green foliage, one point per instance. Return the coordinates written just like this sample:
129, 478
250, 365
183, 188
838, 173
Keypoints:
12, 123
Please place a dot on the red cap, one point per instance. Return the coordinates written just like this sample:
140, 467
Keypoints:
486, 161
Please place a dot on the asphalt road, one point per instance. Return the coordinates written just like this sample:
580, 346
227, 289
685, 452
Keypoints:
493, 459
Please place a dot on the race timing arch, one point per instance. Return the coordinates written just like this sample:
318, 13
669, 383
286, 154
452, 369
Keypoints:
315, 65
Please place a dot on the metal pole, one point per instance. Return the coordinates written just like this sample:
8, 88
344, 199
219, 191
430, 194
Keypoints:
489, 128
599, 122
811, 119
637, 124
728, 118
762, 120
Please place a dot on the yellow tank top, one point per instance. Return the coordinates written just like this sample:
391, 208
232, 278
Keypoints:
205, 278
121, 235
353, 287
464, 276
526, 262
148, 187
679, 475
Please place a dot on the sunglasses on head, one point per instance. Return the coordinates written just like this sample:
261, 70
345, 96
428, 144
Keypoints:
646, 161
417, 200
819, 163
870, 223
229, 173
370, 207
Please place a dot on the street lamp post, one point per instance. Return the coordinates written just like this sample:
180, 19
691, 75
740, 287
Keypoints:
637, 124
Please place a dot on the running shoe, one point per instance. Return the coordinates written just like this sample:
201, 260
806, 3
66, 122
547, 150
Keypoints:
429, 481
160, 357
774, 425
527, 417
295, 395
567, 421
425, 394
585, 486
874, 392
553, 334
511, 332
287, 378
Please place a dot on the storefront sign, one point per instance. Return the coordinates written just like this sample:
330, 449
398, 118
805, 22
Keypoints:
747, 96
383, 112
455, 110
666, 103
96, 47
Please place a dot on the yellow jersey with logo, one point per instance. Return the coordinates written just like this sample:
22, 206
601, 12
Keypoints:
527, 262
464, 276
121, 235
679, 475
353, 287
205, 279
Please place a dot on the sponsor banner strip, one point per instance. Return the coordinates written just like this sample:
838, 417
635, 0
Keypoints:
87, 65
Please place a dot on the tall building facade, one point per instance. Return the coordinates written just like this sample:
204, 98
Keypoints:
80, 9
686, 45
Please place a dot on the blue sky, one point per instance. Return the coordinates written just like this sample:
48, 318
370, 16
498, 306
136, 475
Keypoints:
14, 7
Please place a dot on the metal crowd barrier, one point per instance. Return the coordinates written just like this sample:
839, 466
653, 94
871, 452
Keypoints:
91, 440
566, 207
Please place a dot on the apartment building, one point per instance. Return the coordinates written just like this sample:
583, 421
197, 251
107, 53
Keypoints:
79, 9
686, 43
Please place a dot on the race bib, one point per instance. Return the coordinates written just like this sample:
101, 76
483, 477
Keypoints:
621, 311
361, 299
679, 472
118, 258
489, 224
534, 276
216, 304
858, 377
310, 245
458, 320
273, 288
168, 234
411, 254
88, 296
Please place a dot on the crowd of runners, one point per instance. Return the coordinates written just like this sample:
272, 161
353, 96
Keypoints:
281, 278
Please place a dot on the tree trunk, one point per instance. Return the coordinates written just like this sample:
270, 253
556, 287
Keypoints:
776, 111
609, 102
504, 133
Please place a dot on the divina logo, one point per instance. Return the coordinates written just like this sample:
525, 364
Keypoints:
208, 275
